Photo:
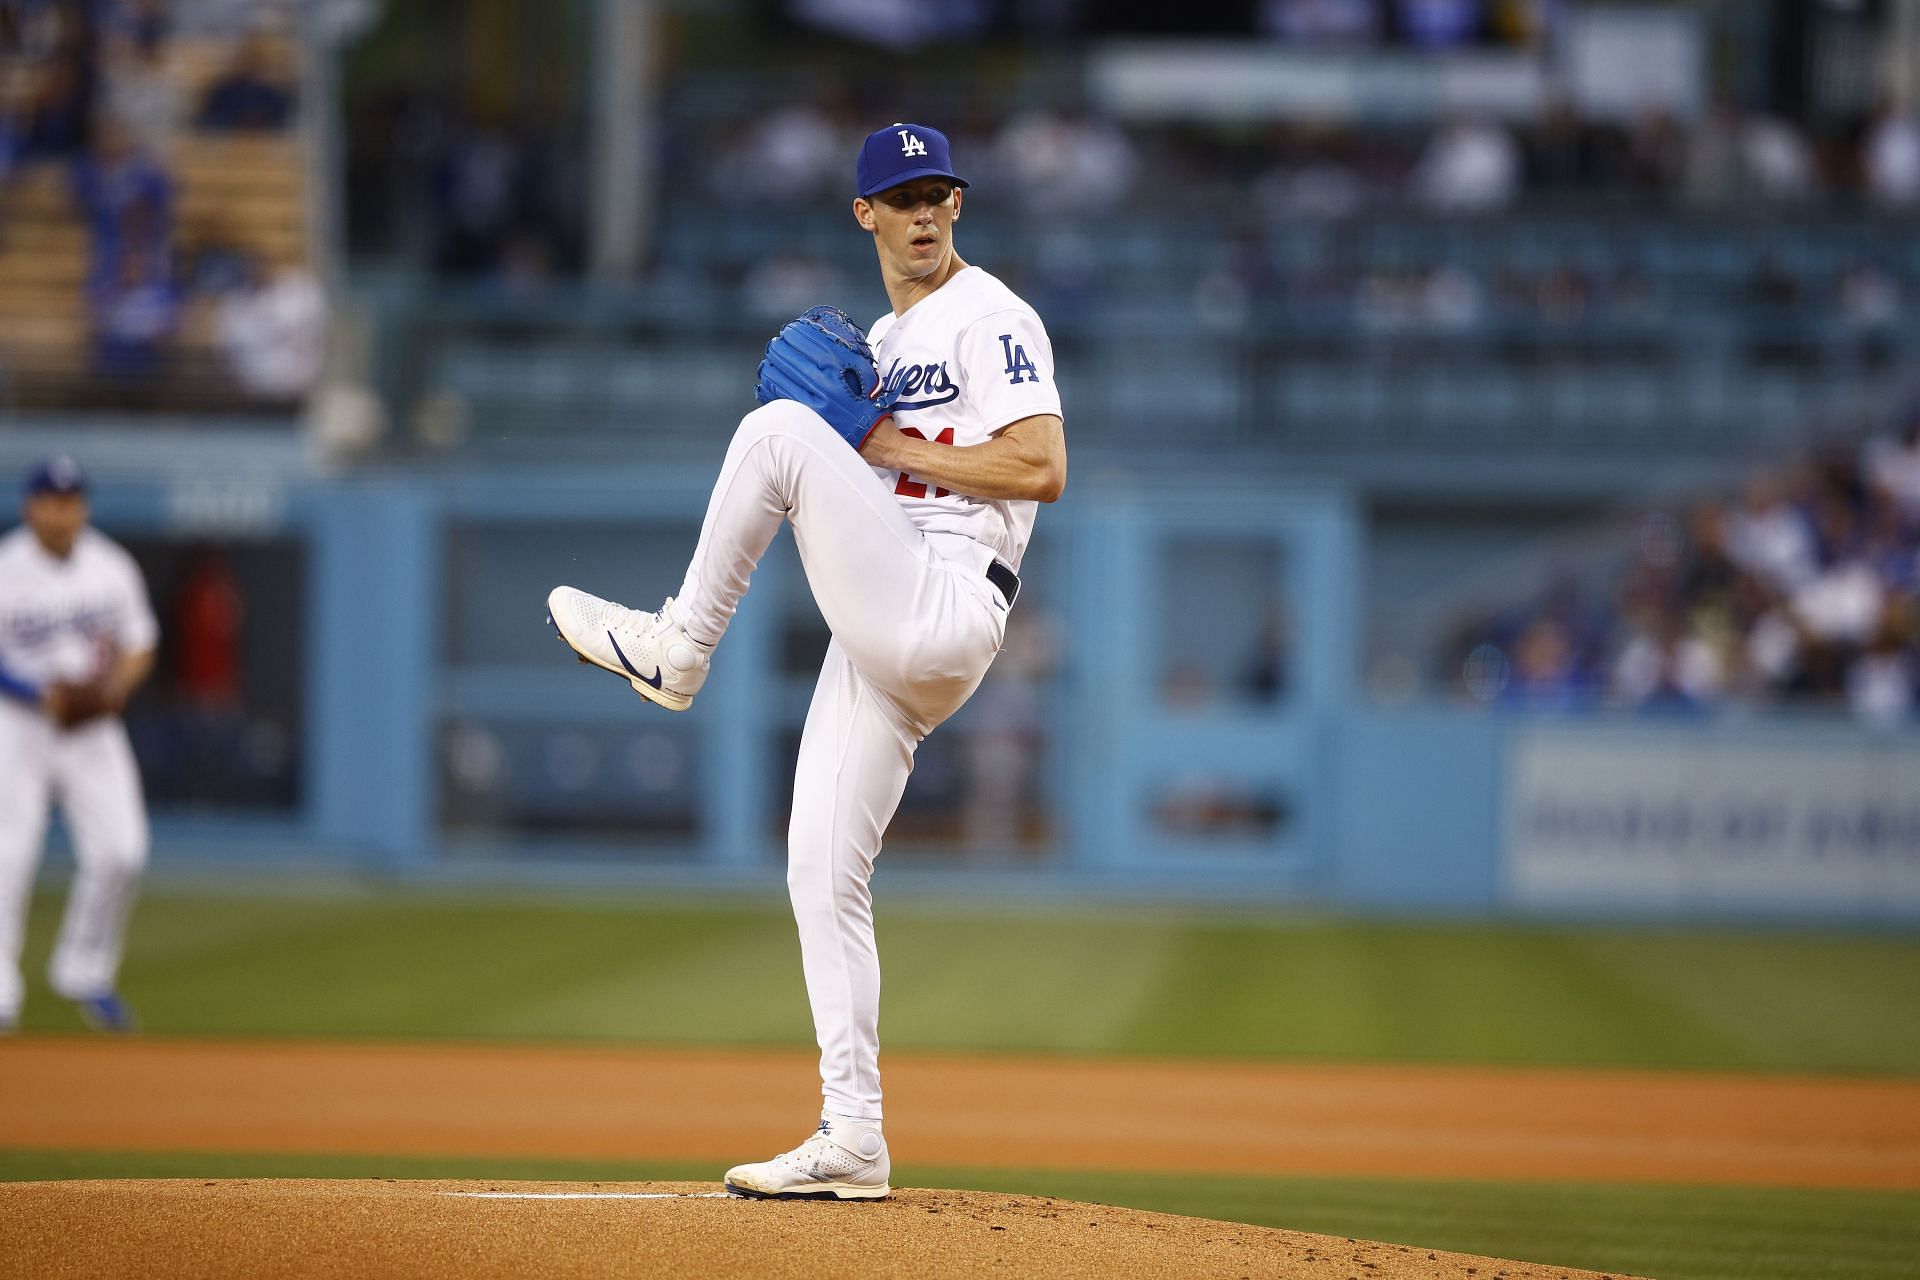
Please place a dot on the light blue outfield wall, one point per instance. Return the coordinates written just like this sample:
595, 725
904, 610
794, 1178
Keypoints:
1418, 809
1419, 798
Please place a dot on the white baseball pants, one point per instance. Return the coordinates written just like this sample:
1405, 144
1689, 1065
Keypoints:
915, 625
91, 772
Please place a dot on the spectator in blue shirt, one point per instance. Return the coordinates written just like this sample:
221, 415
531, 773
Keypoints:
134, 314
249, 98
53, 119
126, 198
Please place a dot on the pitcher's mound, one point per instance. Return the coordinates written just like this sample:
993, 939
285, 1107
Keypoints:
461, 1230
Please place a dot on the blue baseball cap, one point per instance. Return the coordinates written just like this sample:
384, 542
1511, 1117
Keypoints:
900, 153
58, 474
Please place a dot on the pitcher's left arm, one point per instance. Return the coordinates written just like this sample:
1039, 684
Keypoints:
1025, 460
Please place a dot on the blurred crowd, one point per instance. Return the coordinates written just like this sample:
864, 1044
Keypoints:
1377, 288
499, 196
91, 87
499, 199
70, 64
1061, 157
1802, 589
470, 192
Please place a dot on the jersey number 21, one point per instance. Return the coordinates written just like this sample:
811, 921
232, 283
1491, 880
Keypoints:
911, 488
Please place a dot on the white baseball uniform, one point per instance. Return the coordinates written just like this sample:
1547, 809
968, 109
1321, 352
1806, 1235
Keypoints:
61, 620
898, 568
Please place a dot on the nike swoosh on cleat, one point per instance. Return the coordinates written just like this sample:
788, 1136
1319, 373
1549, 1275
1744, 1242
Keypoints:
653, 679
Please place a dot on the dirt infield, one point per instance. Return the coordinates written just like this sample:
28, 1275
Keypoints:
616, 1103
459, 1230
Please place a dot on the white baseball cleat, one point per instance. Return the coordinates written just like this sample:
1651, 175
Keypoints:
649, 649
843, 1160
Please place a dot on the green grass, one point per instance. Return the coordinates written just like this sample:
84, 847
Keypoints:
411, 964
1675, 1233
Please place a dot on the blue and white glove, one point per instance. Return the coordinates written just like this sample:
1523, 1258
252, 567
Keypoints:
822, 360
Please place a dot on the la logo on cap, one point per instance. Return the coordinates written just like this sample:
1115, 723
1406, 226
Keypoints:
911, 145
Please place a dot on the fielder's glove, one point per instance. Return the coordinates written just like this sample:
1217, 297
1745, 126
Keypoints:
72, 705
823, 361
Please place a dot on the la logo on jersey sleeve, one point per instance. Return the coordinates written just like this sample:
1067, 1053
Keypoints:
1020, 366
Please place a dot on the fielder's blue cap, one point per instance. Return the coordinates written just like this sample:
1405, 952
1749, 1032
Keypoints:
900, 153
58, 474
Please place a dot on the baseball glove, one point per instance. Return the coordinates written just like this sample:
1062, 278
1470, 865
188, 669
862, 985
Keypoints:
74, 704
822, 360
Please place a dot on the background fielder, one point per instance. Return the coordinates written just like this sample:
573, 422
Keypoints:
77, 637
911, 547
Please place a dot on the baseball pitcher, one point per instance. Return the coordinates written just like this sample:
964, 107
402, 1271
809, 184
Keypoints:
909, 463
77, 637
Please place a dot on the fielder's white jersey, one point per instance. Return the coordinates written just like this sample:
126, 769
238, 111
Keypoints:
60, 619
967, 360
